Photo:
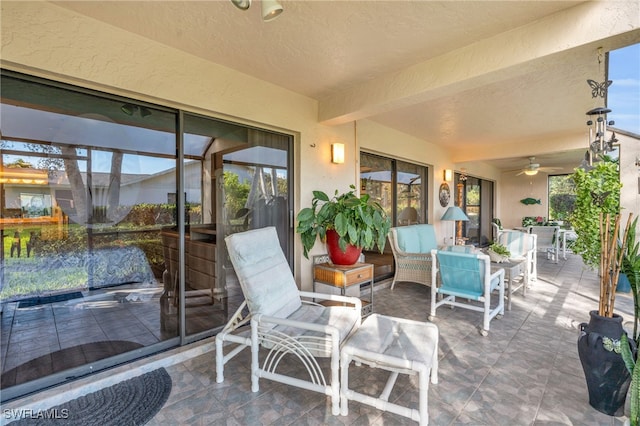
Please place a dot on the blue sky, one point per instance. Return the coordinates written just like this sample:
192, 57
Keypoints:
624, 94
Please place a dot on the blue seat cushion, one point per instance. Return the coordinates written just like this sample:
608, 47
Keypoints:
416, 238
461, 274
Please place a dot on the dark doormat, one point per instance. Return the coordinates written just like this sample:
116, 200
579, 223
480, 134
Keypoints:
35, 301
131, 402
65, 359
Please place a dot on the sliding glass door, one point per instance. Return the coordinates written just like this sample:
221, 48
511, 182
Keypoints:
113, 215
475, 197
400, 187
84, 184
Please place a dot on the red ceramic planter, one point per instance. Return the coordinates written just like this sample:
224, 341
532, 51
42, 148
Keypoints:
337, 256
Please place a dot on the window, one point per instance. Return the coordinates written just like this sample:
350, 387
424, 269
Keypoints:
562, 197
397, 185
400, 187
475, 197
623, 96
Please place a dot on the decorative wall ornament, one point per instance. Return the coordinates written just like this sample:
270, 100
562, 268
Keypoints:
530, 201
599, 144
445, 194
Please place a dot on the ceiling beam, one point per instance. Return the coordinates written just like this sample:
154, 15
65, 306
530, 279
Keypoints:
506, 55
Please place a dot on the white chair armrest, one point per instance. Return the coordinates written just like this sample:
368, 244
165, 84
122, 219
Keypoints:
326, 329
355, 301
496, 274
333, 297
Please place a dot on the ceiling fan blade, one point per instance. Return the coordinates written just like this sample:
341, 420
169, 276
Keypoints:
549, 169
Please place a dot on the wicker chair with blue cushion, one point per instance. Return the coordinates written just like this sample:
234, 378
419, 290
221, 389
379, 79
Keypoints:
281, 322
466, 276
411, 247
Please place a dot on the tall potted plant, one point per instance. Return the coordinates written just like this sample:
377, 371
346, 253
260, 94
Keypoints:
346, 222
601, 244
599, 344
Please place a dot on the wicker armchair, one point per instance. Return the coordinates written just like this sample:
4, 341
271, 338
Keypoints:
411, 246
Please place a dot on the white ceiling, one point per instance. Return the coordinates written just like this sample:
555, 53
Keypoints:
332, 50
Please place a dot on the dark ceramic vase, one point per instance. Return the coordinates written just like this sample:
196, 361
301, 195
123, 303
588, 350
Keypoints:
607, 377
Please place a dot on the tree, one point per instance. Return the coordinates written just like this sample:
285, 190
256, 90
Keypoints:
19, 164
562, 197
235, 193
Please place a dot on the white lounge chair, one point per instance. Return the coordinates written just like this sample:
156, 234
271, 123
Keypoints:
280, 321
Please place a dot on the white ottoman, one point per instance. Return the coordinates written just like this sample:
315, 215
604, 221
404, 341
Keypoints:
397, 345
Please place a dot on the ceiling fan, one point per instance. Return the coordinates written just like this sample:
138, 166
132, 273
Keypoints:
532, 168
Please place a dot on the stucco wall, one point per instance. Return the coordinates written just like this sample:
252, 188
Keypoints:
42, 39
630, 177
45, 40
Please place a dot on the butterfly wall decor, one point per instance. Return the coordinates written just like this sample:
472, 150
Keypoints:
599, 89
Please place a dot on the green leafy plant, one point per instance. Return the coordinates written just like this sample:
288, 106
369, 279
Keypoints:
499, 249
634, 388
359, 221
631, 268
597, 191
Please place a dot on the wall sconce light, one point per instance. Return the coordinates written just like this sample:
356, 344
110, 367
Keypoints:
447, 175
271, 9
337, 153
241, 4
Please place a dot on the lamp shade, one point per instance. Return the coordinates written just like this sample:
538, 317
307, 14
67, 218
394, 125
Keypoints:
454, 213
271, 9
241, 4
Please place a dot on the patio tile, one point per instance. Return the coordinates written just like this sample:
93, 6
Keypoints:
525, 372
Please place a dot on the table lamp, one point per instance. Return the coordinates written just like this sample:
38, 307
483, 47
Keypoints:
454, 213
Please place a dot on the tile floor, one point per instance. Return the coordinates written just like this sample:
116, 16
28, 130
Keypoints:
38, 340
526, 372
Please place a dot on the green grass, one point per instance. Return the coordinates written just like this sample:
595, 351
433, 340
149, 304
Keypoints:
52, 267
8, 241
21, 284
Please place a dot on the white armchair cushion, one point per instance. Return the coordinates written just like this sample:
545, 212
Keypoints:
342, 318
279, 297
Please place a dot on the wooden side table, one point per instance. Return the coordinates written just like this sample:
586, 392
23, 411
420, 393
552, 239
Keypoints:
343, 277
